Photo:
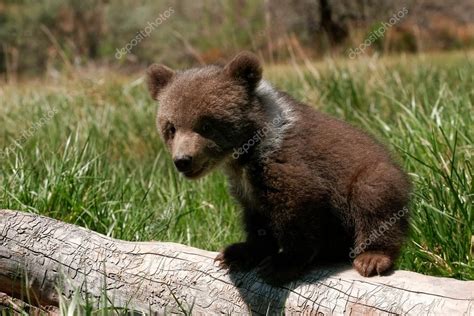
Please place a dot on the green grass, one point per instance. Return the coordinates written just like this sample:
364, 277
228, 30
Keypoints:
99, 163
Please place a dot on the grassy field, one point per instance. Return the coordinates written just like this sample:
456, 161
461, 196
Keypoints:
83, 149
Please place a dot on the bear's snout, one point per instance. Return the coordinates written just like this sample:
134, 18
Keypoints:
183, 163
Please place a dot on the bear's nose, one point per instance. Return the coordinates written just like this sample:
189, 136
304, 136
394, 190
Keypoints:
183, 163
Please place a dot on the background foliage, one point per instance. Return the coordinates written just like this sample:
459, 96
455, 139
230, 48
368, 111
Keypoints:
46, 36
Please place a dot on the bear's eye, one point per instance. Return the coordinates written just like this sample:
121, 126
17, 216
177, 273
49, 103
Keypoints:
206, 129
170, 130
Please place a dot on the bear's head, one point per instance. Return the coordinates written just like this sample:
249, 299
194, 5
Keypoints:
204, 113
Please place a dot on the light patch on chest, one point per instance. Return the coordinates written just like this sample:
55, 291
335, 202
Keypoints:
244, 185
241, 185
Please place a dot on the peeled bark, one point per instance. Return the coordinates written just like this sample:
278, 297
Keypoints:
41, 255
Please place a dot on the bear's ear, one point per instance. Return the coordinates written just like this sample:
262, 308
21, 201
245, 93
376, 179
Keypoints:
246, 67
158, 76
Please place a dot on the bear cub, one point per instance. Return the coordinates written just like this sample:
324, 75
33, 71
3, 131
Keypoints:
313, 189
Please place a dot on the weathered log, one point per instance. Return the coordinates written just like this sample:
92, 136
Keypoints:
10, 305
41, 255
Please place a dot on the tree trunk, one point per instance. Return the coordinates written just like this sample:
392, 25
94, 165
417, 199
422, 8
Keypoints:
337, 32
47, 255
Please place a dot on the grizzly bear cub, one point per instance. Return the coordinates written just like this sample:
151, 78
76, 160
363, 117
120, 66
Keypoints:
312, 188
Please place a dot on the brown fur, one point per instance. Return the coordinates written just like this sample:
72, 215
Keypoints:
311, 189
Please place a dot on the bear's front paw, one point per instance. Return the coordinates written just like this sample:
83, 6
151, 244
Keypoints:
371, 262
239, 256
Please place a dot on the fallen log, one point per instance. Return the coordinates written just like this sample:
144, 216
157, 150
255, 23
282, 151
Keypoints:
40, 256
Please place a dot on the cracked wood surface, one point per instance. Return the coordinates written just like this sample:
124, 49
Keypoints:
160, 277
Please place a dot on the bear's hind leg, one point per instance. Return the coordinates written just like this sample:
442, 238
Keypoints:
379, 200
